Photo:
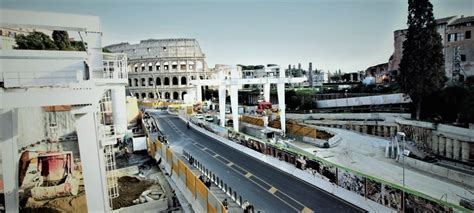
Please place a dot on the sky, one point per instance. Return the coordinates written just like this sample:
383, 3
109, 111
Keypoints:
350, 35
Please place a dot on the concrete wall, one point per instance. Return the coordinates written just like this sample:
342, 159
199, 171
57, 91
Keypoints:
441, 171
132, 110
33, 124
349, 116
148, 207
27, 67
398, 98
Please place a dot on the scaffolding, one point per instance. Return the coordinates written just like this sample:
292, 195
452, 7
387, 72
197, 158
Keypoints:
108, 139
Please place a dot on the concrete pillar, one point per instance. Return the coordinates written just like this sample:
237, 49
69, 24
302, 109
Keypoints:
281, 102
95, 59
234, 92
456, 149
119, 110
380, 130
357, 128
386, 131
9, 150
222, 99
266, 92
449, 148
442, 145
465, 151
435, 144
365, 129
198, 93
92, 158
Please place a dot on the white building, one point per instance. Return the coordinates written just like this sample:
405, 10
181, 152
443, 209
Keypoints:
88, 82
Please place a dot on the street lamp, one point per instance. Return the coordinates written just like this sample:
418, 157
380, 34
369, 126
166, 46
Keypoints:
402, 137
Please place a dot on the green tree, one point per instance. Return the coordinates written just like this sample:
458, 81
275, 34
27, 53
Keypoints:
422, 64
78, 45
61, 39
35, 41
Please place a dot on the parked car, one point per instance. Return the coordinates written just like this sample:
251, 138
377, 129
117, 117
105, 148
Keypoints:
200, 116
209, 118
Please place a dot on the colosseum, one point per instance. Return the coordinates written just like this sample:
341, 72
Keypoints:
162, 68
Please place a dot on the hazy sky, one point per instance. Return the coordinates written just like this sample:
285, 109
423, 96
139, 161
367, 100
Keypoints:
333, 34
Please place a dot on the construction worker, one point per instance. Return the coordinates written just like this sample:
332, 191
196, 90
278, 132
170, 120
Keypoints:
225, 203
126, 153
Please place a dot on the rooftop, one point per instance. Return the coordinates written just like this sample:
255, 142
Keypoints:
463, 20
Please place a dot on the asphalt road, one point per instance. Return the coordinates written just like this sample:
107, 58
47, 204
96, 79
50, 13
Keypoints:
267, 188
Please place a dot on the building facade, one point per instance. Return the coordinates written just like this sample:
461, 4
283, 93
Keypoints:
163, 68
456, 33
459, 38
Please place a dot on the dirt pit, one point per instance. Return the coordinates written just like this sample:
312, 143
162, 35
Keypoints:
76, 203
130, 188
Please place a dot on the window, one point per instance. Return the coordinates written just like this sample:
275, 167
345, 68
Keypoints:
468, 35
451, 37
463, 58
134, 51
164, 48
460, 36
148, 49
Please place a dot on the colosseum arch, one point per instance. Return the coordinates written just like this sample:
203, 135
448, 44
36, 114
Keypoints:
174, 65
158, 81
143, 95
167, 95
167, 81
137, 95
175, 81
143, 67
158, 66
182, 66
175, 95
151, 95
136, 82
182, 95
135, 68
184, 81
129, 82
150, 67
150, 81
143, 82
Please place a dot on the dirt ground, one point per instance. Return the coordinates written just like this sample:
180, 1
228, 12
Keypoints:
130, 189
63, 204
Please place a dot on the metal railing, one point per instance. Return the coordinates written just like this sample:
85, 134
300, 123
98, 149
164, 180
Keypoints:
115, 66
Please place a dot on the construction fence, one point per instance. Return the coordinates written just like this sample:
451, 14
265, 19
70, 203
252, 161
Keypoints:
376, 189
200, 193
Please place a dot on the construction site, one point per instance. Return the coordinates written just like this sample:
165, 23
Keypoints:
75, 139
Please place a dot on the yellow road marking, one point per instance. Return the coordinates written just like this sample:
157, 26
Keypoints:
248, 174
306, 210
273, 190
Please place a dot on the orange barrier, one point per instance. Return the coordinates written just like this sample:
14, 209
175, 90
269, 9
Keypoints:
198, 190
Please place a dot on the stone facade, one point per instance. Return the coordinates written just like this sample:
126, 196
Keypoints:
163, 68
460, 34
